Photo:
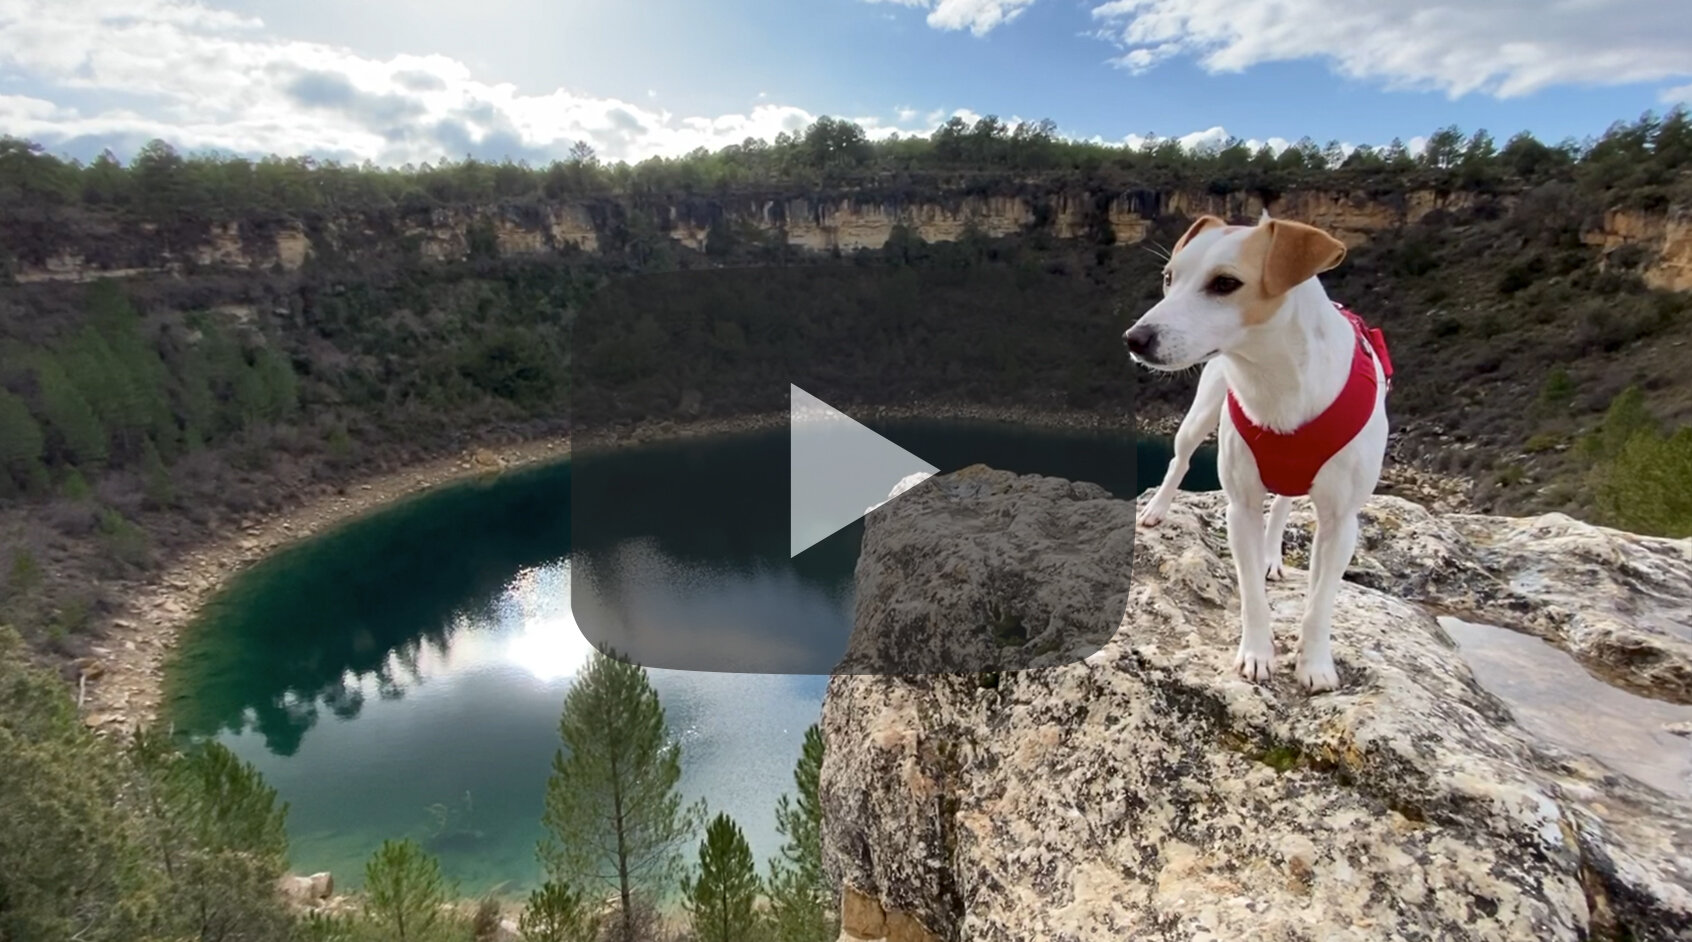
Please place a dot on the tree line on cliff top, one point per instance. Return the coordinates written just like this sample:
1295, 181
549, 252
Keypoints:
1643, 158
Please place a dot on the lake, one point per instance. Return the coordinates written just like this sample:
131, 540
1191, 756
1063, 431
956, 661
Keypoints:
402, 675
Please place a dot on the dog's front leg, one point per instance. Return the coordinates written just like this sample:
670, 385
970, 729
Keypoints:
1196, 426
1255, 660
1330, 554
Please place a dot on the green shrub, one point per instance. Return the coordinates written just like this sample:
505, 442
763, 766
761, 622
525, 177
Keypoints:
1521, 275
1558, 388
145, 842
69, 866
1647, 486
1625, 417
125, 542
24, 574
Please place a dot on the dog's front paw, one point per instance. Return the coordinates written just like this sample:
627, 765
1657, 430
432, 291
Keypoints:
1155, 511
1316, 673
1275, 572
1255, 663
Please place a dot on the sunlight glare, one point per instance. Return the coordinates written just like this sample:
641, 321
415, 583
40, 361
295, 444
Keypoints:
547, 643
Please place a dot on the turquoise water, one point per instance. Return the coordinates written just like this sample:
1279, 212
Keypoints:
402, 675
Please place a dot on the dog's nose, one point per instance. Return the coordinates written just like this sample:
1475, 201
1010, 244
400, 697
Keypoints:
1141, 340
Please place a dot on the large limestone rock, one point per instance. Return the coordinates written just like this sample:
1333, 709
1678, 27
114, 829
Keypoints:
1147, 793
307, 891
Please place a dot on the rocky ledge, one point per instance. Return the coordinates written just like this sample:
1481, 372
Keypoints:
1144, 792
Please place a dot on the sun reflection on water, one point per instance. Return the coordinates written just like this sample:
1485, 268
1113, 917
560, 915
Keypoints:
545, 640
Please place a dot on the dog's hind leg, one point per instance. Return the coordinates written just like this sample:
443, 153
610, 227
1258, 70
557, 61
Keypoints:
1275, 527
1196, 426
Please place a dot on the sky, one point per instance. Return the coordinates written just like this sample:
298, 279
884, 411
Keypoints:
409, 81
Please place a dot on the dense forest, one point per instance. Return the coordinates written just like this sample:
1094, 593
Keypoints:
138, 417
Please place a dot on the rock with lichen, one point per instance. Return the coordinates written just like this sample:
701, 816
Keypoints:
1136, 788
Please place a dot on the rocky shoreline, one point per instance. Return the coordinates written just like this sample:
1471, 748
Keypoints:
120, 683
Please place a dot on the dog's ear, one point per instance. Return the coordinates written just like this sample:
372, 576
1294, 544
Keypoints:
1199, 225
1296, 253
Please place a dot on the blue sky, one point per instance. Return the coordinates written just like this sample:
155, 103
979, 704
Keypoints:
410, 80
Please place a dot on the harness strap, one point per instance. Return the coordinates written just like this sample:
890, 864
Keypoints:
1374, 337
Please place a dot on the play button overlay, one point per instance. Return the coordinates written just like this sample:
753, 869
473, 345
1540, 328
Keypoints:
728, 465
839, 470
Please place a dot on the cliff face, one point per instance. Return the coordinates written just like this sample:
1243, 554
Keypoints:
1145, 793
1664, 239
109, 248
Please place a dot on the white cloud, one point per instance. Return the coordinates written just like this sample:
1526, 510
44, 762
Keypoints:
980, 17
1505, 48
1198, 140
1679, 95
1142, 59
203, 78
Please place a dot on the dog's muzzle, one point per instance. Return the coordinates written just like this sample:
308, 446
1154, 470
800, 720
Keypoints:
1141, 341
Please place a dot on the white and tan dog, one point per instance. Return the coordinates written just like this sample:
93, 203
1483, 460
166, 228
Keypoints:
1296, 390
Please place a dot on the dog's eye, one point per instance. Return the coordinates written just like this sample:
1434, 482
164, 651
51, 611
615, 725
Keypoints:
1223, 284
1167, 277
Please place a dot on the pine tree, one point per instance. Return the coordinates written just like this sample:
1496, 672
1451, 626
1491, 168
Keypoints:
404, 892
195, 399
1333, 154
22, 447
800, 897
613, 809
115, 396
216, 832
74, 431
1626, 417
1397, 155
139, 362
281, 388
1647, 487
252, 396
557, 913
722, 899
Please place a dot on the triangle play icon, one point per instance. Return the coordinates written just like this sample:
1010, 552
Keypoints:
840, 470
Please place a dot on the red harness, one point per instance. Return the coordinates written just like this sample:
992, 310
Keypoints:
1288, 462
